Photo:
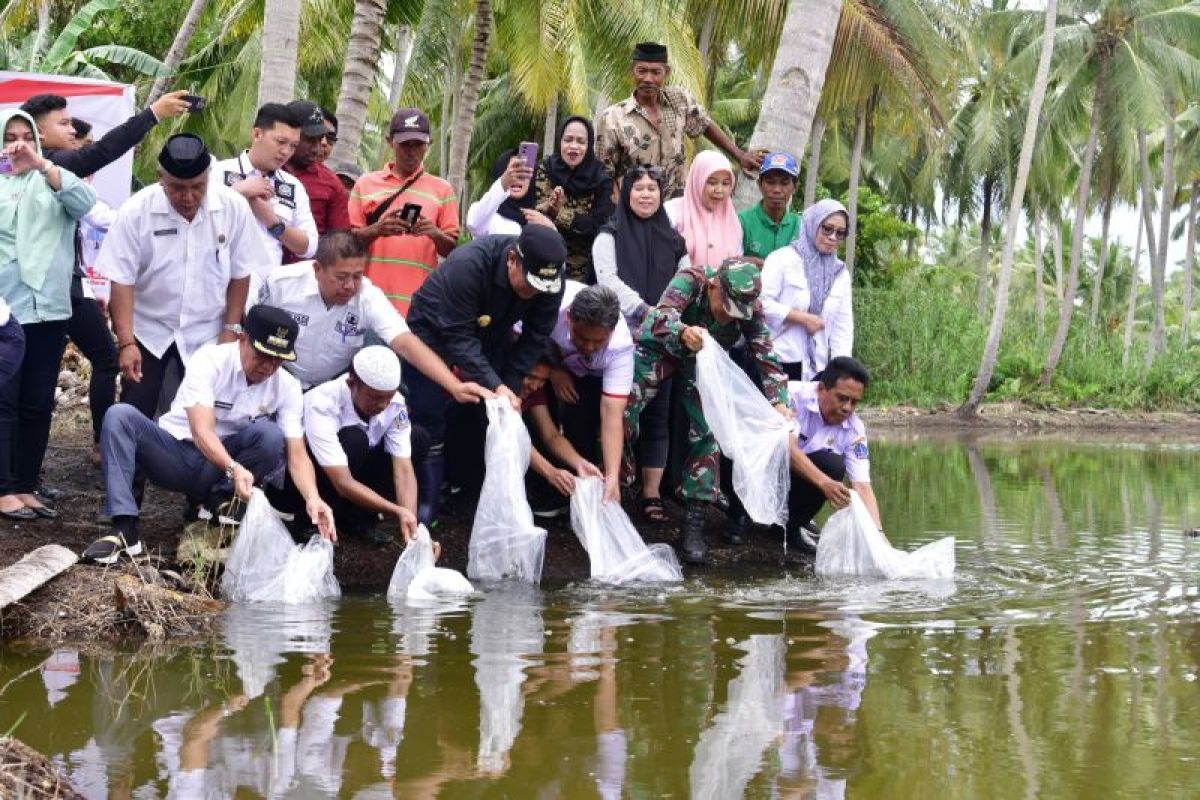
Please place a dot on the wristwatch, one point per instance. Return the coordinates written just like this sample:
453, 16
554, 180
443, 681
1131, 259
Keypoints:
229, 470
232, 327
277, 229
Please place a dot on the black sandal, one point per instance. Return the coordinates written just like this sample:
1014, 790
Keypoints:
654, 511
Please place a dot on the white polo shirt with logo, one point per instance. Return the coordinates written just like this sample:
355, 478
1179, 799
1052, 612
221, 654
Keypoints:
328, 409
291, 204
614, 362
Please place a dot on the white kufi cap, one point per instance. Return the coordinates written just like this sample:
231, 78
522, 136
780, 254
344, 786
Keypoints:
378, 367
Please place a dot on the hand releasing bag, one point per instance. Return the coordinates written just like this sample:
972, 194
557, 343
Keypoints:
416, 578
616, 551
266, 566
751, 433
505, 544
850, 544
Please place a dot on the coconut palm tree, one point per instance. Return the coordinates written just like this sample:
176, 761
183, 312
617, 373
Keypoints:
179, 47
468, 98
277, 67
359, 77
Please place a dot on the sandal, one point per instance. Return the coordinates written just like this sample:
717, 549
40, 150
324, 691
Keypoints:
654, 511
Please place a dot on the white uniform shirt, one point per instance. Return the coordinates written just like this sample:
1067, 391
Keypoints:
328, 408
215, 379
291, 204
329, 335
848, 440
614, 362
180, 271
784, 287
482, 216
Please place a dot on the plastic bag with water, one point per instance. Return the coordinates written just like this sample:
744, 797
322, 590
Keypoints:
616, 551
850, 544
416, 578
505, 544
266, 566
750, 432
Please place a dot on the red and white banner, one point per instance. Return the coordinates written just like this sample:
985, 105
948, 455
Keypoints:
102, 103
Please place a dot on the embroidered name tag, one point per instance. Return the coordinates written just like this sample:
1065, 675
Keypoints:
301, 319
223, 405
166, 232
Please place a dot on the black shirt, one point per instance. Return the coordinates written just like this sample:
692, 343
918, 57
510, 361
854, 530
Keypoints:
108, 148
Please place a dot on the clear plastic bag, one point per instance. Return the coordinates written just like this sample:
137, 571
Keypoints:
850, 544
616, 551
750, 432
505, 544
266, 566
416, 578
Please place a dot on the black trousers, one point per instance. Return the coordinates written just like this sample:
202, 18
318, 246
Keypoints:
804, 498
580, 424
88, 329
144, 394
26, 406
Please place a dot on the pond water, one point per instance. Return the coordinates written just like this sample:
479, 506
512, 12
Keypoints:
1062, 661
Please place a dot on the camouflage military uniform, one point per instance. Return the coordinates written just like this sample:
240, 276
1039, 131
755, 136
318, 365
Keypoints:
660, 353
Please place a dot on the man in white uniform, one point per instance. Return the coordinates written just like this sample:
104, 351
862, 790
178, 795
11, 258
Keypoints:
179, 255
277, 198
236, 418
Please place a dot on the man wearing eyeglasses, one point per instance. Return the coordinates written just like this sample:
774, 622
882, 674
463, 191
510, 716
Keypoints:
327, 197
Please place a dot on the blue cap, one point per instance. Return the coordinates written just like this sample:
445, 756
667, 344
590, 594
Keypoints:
779, 162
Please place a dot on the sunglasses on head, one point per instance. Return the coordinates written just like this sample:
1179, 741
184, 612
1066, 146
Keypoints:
833, 231
642, 170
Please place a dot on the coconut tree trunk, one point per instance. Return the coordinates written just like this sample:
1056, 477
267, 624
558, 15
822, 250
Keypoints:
402, 50
1101, 262
1133, 286
1189, 261
1056, 246
551, 127
468, 97
1147, 196
814, 161
794, 86
1158, 331
992, 349
358, 77
1067, 308
860, 134
277, 69
448, 94
985, 244
1039, 290
910, 246
183, 37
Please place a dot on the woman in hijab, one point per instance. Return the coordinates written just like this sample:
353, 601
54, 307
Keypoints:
574, 191
502, 208
636, 254
806, 294
39, 205
705, 215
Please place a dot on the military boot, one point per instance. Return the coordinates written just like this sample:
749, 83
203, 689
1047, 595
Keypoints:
692, 547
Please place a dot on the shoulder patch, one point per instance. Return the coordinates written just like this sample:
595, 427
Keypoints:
859, 448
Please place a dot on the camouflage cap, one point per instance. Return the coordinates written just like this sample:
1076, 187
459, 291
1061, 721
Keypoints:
741, 283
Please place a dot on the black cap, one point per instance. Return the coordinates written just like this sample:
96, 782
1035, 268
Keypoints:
409, 124
543, 254
650, 51
310, 117
184, 156
272, 331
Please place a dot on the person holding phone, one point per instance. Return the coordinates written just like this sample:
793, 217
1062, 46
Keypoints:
404, 246
508, 203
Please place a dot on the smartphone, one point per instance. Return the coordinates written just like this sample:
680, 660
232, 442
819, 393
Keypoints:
6, 166
528, 151
195, 102
410, 213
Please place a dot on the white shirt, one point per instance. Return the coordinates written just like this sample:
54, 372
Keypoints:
215, 379
614, 362
848, 440
785, 287
329, 335
328, 409
179, 270
4, 312
295, 211
482, 216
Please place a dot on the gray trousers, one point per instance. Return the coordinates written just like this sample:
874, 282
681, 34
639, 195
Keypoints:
130, 441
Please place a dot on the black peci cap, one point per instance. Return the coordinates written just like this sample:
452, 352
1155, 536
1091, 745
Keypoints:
184, 156
272, 331
650, 51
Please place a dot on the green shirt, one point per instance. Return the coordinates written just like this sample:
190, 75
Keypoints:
761, 236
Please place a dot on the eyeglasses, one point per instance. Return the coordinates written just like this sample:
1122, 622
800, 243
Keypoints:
331, 138
834, 232
654, 172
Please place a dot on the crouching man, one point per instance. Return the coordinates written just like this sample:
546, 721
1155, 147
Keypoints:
831, 446
359, 435
235, 421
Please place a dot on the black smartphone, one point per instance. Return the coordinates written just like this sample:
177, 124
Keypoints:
528, 151
410, 213
195, 102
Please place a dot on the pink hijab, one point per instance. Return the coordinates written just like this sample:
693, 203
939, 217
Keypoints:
711, 236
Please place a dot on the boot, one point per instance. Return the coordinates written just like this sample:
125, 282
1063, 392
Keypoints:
803, 538
735, 531
693, 549
429, 487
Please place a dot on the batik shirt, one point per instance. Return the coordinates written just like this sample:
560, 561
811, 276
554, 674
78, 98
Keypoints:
625, 136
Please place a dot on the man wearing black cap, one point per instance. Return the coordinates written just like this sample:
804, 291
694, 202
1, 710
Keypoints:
236, 420
466, 311
649, 126
327, 197
179, 256
404, 246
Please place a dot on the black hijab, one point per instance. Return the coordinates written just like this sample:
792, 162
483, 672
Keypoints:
587, 178
511, 207
648, 250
